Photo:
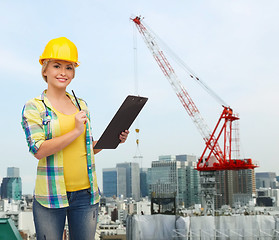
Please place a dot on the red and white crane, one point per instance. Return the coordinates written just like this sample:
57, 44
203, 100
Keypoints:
213, 157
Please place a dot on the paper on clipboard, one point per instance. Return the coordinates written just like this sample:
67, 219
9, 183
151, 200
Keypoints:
121, 121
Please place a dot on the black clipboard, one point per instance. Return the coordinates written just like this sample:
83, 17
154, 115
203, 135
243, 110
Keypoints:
121, 121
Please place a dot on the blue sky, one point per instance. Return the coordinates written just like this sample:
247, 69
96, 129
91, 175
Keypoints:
232, 45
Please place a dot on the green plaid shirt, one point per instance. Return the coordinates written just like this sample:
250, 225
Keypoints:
40, 123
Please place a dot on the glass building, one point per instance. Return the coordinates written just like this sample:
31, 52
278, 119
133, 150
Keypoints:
132, 179
11, 188
143, 182
266, 180
12, 172
175, 175
114, 182
124, 180
110, 182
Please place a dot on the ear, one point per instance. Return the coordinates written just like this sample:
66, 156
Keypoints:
45, 73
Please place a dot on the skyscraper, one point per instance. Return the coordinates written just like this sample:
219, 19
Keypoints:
234, 187
12, 172
143, 182
110, 182
132, 179
175, 175
11, 186
265, 180
122, 180
114, 182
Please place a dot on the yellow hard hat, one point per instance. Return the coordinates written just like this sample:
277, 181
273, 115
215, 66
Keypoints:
61, 49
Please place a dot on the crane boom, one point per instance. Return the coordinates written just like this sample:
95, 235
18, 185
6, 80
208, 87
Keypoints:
222, 158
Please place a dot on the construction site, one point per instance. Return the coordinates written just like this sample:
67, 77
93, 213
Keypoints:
223, 173
217, 165
201, 158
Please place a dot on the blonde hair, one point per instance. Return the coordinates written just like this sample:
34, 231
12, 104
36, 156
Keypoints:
44, 67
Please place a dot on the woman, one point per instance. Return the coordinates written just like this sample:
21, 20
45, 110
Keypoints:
59, 136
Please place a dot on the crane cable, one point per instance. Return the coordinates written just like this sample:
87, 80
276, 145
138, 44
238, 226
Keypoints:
187, 69
137, 129
192, 75
135, 61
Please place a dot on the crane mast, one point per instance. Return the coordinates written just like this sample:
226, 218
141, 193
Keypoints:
222, 159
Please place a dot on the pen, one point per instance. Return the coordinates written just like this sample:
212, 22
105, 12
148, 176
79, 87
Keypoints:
76, 100
79, 108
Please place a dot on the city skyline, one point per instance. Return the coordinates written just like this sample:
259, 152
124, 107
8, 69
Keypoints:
113, 168
231, 46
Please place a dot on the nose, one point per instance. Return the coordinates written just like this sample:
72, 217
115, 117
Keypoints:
62, 71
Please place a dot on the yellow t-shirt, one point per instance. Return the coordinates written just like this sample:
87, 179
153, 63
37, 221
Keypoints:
74, 156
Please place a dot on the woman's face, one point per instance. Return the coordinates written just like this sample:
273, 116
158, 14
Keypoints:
59, 73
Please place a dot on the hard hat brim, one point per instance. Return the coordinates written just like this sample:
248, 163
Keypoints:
41, 61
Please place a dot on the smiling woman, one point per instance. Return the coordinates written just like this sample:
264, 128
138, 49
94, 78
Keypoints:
59, 73
67, 52
59, 136
59, 63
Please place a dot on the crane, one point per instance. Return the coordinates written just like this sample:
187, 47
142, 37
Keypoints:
213, 157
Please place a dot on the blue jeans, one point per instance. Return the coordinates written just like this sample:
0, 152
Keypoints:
82, 218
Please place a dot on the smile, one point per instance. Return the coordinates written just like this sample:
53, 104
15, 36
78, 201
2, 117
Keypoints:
62, 79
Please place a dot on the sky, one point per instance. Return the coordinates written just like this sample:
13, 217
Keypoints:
231, 45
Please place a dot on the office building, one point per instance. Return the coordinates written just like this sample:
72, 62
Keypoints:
114, 182
234, 187
11, 186
268, 197
175, 176
110, 182
12, 172
132, 179
143, 182
124, 180
266, 180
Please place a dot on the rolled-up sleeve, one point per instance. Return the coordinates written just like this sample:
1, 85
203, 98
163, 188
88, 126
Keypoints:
33, 126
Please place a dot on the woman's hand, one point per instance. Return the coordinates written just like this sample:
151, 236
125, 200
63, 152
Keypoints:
80, 120
123, 136
56, 144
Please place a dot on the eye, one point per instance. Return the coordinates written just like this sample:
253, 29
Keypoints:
56, 66
69, 68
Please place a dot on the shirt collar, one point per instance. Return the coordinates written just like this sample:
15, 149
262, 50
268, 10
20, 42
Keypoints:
43, 97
